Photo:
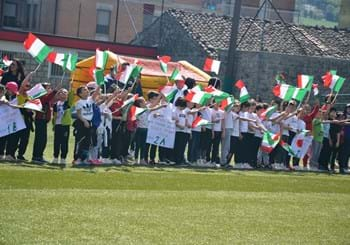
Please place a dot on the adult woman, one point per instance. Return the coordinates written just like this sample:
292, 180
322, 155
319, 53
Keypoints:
15, 73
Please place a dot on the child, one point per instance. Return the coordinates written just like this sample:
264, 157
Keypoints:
234, 139
317, 133
141, 148
225, 143
218, 131
195, 141
83, 135
62, 119
242, 148
181, 136
41, 120
334, 139
3, 140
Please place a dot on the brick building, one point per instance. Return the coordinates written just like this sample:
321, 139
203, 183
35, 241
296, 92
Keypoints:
113, 20
268, 47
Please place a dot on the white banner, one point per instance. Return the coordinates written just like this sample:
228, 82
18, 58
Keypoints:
161, 132
300, 144
11, 120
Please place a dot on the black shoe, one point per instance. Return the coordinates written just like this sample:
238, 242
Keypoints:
21, 158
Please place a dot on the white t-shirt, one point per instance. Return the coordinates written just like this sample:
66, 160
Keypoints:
85, 107
235, 119
258, 132
292, 122
275, 127
190, 118
142, 120
206, 114
217, 115
228, 119
243, 125
180, 117
252, 116
60, 112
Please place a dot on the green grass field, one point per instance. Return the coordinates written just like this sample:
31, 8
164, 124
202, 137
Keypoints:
162, 205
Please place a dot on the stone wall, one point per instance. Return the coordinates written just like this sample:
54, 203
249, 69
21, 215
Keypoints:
258, 70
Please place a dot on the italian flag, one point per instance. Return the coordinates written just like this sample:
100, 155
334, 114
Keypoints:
37, 91
97, 75
197, 88
67, 61
198, 122
211, 65
327, 78
34, 105
305, 81
6, 61
243, 95
169, 92
131, 71
287, 92
218, 94
198, 97
268, 112
315, 89
130, 101
164, 60
175, 75
227, 104
135, 112
287, 147
269, 141
36, 48
335, 83
280, 78
56, 58
101, 59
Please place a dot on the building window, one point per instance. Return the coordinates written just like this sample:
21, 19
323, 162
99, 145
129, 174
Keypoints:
10, 13
32, 15
103, 20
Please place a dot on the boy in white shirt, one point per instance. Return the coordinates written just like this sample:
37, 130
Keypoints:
218, 130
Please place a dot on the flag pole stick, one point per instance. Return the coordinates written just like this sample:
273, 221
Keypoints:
64, 73
37, 68
335, 97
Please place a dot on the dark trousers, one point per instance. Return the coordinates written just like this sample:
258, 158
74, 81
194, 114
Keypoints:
242, 146
20, 141
344, 154
40, 138
117, 139
163, 153
234, 142
215, 147
290, 140
3, 144
250, 156
61, 139
194, 146
281, 154
333, 155
181, 139
254, 158
140, 144
12, 144
325, 155
82, 140
205, 143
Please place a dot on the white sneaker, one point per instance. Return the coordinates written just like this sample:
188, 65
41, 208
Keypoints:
237, 166
116, 161
247, 166
63, 161
2, 157
107, 161
9, 158
143, 162
55, 161
314, 169
298, 168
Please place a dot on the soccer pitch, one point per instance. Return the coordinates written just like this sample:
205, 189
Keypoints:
161, 205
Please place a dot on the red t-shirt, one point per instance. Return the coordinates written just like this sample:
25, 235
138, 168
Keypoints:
116, 105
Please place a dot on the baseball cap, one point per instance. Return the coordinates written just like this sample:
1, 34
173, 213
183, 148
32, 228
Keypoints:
12, 86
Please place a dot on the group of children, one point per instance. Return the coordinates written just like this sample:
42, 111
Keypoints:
107, 131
